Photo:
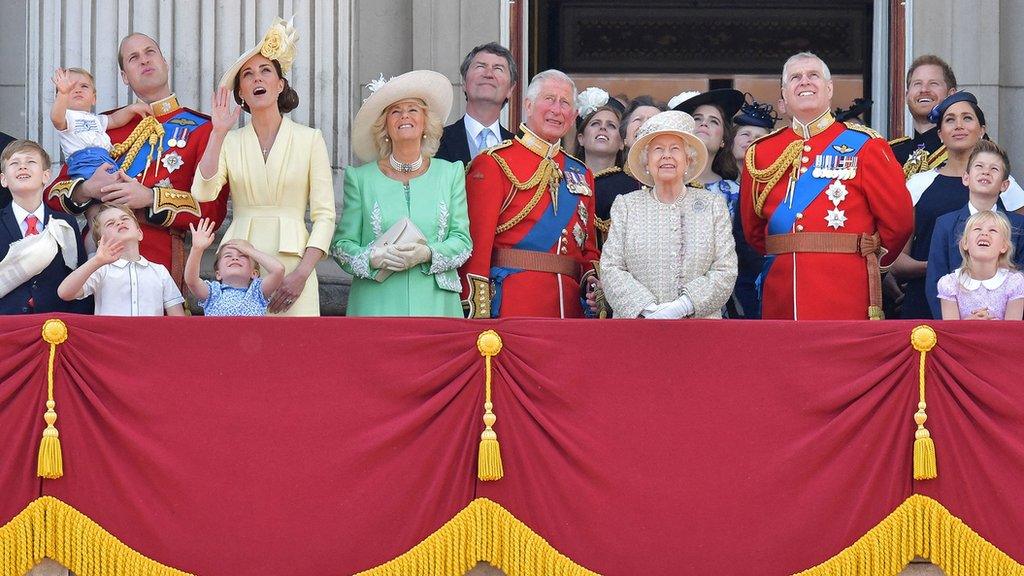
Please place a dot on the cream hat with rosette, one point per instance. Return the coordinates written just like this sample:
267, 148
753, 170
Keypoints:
672, 122
433, 88
278, 43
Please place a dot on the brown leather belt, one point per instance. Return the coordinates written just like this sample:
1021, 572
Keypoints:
867, 245
536, 261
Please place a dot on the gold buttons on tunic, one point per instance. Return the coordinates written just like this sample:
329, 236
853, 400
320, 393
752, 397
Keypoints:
805, 159
799, 227
799, 215
807, 148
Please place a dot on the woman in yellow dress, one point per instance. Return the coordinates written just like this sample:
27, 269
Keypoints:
276, 169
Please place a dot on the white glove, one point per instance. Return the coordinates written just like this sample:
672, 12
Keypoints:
679, 308
383, 257
411, 254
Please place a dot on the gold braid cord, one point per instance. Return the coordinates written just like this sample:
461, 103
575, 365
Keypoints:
766, 179
147, 130
545, 178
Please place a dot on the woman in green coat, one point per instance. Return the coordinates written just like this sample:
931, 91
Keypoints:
404, 230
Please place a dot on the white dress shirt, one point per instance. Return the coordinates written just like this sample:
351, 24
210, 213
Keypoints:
20, 214
473, 129
127, 288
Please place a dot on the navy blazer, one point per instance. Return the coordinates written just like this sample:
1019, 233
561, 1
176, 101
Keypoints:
455, 146
944, 253
42, 288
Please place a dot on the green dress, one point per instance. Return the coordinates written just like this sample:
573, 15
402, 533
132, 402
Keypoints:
436, 202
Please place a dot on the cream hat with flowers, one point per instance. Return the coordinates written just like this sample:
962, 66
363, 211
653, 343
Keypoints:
431, 87
278, 43
672, 122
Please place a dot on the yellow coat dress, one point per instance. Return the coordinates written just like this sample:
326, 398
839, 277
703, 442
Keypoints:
269, 199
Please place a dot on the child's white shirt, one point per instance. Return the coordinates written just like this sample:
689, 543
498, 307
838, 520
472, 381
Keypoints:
127, 288
84, 130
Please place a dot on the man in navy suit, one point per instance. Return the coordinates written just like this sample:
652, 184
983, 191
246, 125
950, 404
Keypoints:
988, 176
489, 75
31, 270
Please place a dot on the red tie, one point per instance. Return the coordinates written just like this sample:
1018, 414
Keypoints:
31, 220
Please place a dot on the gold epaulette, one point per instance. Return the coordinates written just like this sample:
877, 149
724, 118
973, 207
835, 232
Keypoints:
496, 147
606, 171
899, 140
769, 135
574, 158
862, 128
939, 157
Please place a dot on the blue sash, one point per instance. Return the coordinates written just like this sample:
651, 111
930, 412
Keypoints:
807, 187
175, 125
543, 236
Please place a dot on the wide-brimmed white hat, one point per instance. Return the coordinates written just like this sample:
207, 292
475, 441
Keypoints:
431, 87
278, 43
672, 122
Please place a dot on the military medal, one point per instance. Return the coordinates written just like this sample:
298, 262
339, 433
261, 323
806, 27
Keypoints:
818, 167
579, 235
836, 218
836, 192
173, 141
172, 161
184, 137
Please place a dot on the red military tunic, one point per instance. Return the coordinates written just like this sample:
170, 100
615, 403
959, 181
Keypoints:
820, 285
169, 171
500, 217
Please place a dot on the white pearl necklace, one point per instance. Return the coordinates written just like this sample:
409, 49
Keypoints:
403, 167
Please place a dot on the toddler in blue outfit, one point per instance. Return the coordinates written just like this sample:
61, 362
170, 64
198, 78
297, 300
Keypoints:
238, 290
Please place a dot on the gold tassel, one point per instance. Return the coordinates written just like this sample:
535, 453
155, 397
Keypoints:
489, 461
923, 339
51, 463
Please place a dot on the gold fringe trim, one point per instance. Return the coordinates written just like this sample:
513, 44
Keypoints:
482, 531
489, 458
922, 527
923, 339
51, 461
49, 528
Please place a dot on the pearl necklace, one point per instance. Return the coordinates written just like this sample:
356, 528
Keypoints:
402, 167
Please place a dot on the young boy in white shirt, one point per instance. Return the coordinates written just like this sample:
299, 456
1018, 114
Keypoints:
125, 283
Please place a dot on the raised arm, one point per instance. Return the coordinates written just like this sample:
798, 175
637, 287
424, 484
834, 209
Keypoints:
202, 238
223, 117
122, 116
64, 83
73, 286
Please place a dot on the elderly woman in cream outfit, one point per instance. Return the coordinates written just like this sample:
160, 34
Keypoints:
670, 251
275, 167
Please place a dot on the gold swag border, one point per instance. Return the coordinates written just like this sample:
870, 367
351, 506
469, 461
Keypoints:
50, 528
482, 531
920, 526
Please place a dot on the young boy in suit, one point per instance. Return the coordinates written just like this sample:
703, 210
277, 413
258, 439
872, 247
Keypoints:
38, 247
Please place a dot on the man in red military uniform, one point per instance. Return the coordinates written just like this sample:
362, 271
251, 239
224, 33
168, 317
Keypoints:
826, 201
158, 154
531, 216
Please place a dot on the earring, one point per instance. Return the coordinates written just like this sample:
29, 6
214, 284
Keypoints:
387, 139
242, 99
423, 137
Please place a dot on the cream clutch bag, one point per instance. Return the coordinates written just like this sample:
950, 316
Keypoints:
401, 232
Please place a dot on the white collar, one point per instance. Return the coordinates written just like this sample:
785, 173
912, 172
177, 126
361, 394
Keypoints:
973, 210
121, 262
20, 213
991, 284
473, 128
